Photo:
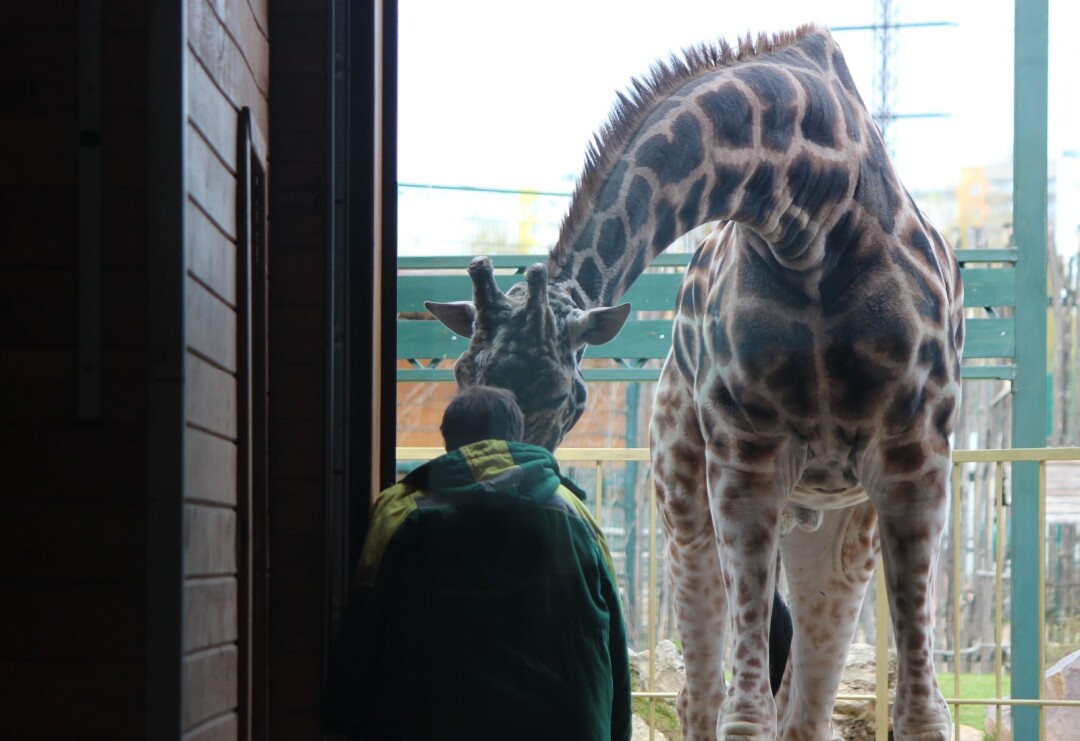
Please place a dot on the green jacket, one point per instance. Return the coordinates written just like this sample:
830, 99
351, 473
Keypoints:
485, 608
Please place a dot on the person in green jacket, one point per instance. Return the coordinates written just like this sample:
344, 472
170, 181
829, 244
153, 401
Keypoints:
485, 604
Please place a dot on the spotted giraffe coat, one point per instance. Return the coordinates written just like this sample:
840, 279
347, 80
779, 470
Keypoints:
813, 378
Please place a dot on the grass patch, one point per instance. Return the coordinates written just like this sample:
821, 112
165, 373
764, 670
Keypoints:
666, 719
972, 686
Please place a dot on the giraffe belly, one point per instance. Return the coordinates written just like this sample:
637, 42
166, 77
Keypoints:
826, 485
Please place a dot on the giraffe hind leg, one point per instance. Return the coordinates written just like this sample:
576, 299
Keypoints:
828, 570
911, 528
693, 562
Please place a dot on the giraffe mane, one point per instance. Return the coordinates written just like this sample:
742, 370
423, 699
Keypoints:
642, 97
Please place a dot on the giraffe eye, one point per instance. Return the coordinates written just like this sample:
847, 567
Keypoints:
554, 403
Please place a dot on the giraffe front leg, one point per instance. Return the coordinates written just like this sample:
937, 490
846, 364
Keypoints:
828, 570
911, 516
746, 507
693, 565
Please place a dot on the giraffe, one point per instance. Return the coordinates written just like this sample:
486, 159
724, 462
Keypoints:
808, 399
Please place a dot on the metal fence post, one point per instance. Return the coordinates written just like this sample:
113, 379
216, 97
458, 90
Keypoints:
1030, 84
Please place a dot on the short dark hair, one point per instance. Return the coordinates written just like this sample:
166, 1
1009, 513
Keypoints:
482, 413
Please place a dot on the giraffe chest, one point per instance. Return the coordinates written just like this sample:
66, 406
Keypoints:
796, 370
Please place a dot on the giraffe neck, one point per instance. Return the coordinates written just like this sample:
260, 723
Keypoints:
774, 137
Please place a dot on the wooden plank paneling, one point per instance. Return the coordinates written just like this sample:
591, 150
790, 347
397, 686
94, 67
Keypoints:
101, 464
210, 612
305, 382
250, 40
211, 398
292, 50
296, 448
125, 229
51, 543
72, 621
297, 507
209, 468
228, 68
211, 254
306, 550
303, 324
298, 221
298, 293
209, 541
218, 51
210, 684
222, 728
42, 307
69, 699
37, 386
260, 11
211, 326
210, 183
211, 111
38, 65
295, 685
123, 302
124, 140
306, 96
73, 497
306, 275
47, 151
33, 231
124, 57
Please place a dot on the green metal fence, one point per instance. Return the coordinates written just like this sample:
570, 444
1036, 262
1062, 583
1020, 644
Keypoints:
636, 354
607, 497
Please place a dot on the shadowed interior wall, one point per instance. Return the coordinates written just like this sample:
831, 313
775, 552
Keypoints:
74, 473
72, 452
298, 325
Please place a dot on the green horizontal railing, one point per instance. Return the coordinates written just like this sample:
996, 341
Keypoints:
636, 353
1004, 522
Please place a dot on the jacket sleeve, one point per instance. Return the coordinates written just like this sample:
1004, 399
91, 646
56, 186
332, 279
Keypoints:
354, 661
621, 721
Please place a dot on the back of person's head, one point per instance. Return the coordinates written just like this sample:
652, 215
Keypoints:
482, 413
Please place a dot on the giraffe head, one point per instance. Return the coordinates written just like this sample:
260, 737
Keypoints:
530, 340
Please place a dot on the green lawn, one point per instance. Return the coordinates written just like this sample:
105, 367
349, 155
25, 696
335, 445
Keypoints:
972, 686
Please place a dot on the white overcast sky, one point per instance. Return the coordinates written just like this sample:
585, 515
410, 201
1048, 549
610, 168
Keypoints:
506, 94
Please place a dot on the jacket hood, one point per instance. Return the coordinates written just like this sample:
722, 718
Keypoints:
477, 472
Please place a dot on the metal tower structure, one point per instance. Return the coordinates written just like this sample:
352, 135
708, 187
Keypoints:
885, 48
886, 76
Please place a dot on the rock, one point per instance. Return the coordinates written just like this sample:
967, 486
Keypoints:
1061, 724
641, 731
670, 670
669, 675
852, 719
856, 719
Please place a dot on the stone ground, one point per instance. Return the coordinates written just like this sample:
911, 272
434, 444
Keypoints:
852, 721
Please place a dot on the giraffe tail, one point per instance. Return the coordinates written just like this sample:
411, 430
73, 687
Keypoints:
781, 631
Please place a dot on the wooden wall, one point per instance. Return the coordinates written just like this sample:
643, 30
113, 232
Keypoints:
227, 70
74, 533
72, 491
298, 324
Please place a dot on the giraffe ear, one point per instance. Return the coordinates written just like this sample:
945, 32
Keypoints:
597, 326
458, 316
